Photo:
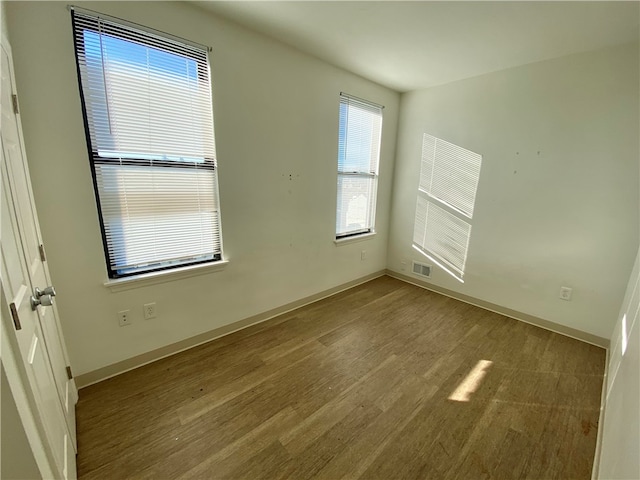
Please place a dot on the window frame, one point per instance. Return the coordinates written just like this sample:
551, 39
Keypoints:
372, 175
96, 159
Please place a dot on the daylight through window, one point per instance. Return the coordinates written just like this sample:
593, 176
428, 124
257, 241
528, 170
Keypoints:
149, 120
358, 156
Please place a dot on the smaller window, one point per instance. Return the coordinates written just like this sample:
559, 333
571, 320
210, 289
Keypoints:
358, 157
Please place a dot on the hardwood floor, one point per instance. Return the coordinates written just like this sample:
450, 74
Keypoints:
355, 386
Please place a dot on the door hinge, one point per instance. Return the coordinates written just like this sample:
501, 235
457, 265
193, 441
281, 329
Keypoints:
69, 374
14, 100
14, 315
43, 257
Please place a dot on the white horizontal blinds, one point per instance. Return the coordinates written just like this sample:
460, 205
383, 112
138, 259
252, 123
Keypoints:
157, 216
145, 95
450, 173
359, 138
360, 127
149, 118
448, 183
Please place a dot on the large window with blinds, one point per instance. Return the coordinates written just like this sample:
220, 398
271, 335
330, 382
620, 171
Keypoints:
146, 99
359, 133
447, 188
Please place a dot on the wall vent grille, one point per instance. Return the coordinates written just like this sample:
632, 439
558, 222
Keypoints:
422, 269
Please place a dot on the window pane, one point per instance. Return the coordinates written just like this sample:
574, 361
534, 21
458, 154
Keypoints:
151, 214
144, 100
356, 197
359, 139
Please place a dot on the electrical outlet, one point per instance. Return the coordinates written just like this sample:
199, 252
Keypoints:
123, 318
363, 255
565, 293
403, 265
149, 310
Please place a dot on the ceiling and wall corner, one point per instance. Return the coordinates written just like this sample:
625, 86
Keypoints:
409, 45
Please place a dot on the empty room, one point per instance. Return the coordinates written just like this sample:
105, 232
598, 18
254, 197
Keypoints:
320, 240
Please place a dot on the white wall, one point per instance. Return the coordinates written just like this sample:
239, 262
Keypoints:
557, 201
276, 114
621, 427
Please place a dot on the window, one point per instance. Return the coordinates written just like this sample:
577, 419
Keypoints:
449, 177
358, 156
147, 107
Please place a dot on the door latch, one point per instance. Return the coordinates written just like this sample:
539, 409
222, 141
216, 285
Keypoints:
42, 297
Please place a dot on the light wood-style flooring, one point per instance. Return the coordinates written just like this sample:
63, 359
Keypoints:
383, 381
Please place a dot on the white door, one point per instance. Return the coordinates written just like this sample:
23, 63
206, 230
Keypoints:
29, 339
38, 334
13, 146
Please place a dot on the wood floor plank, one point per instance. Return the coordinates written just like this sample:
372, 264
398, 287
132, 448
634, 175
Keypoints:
312, 427
385, 380
237, 386
308, 462
235, 454
359, 454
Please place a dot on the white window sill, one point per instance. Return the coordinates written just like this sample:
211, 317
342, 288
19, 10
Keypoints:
153, 278
356, 238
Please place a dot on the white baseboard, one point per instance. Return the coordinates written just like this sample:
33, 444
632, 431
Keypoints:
507, 312
114, 369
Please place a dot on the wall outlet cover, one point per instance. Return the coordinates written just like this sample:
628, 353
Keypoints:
124, 318
565, 293
149, 310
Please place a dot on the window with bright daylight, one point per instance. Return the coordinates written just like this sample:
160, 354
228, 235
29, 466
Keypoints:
358, 156
449, 177
148, 114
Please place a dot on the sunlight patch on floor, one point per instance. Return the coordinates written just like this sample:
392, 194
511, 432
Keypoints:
471, 382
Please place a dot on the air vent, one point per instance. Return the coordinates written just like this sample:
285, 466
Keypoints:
422, 269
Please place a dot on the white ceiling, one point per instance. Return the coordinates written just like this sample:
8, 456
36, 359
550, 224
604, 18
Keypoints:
418, 44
